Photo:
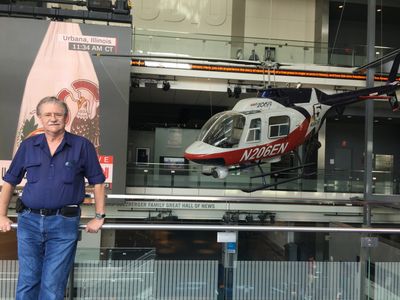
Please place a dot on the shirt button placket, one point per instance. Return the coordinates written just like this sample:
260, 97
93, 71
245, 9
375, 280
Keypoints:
51, 173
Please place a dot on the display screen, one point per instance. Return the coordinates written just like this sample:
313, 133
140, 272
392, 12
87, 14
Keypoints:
173, 163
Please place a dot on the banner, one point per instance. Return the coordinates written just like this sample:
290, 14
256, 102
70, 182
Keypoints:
68, 74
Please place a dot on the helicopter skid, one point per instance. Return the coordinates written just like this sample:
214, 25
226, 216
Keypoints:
275, 174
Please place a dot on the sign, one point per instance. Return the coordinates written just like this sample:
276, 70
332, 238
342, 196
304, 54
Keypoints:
231, 247
106, 162
226, 237
89, 43
173, 205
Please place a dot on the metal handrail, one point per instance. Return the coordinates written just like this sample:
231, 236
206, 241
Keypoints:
311, 199
199, 227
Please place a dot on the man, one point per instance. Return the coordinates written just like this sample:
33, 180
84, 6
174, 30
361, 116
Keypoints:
55, 164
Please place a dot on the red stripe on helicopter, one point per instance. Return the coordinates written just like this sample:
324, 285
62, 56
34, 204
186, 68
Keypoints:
259, 152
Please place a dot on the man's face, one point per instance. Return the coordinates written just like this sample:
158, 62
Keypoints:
53, 118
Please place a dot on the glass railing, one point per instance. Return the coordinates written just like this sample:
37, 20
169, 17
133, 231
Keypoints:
262, 263
158, 43
191, 176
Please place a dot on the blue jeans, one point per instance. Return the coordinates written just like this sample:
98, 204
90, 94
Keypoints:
46, 252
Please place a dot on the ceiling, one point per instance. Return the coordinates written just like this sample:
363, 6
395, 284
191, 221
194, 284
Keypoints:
356, 10
185, 97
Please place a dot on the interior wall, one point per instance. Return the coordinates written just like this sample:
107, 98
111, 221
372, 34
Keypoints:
352, 132
283, 19
140, 139
231, 20
173, 141
344, 246
347, 247
193, 16
233, 28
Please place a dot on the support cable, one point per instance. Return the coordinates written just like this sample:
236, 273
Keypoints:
337, 31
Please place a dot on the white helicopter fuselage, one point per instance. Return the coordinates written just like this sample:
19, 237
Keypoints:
257, 129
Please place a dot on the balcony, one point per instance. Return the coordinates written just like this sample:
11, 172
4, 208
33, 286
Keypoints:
158, 43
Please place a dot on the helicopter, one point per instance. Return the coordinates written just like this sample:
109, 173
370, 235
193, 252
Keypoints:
274, 123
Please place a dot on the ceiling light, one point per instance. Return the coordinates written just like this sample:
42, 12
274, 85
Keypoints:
237, 90
100, 5
340, 6
249, 218
225, 218
229, 91
171, 65
135, 83
272, 219
262, 217
166, 86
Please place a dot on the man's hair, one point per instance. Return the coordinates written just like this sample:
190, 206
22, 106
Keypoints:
54, 100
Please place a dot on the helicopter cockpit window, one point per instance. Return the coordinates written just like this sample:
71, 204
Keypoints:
208, 125
226, 131
254, 134
278, 126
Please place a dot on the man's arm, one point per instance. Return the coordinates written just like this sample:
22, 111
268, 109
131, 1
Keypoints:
99, 198
5, 197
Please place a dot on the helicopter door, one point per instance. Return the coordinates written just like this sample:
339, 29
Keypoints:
254, 134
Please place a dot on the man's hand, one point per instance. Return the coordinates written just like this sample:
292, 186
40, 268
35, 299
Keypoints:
5, 224
94, 225
7, 191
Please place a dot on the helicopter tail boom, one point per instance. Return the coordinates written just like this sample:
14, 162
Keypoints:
389, 89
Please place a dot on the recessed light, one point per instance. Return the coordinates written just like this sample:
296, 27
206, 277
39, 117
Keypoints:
340, 6
379, 10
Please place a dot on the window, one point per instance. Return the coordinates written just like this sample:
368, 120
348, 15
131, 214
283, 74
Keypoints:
278, 126
208, 125
254, 130
226, 130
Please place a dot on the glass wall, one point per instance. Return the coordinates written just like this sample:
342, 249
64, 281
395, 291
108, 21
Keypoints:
281, 267
191, 176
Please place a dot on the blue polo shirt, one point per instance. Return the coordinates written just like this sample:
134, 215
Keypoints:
58, 180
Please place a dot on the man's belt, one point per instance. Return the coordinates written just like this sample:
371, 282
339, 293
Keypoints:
66, 211
45, 211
